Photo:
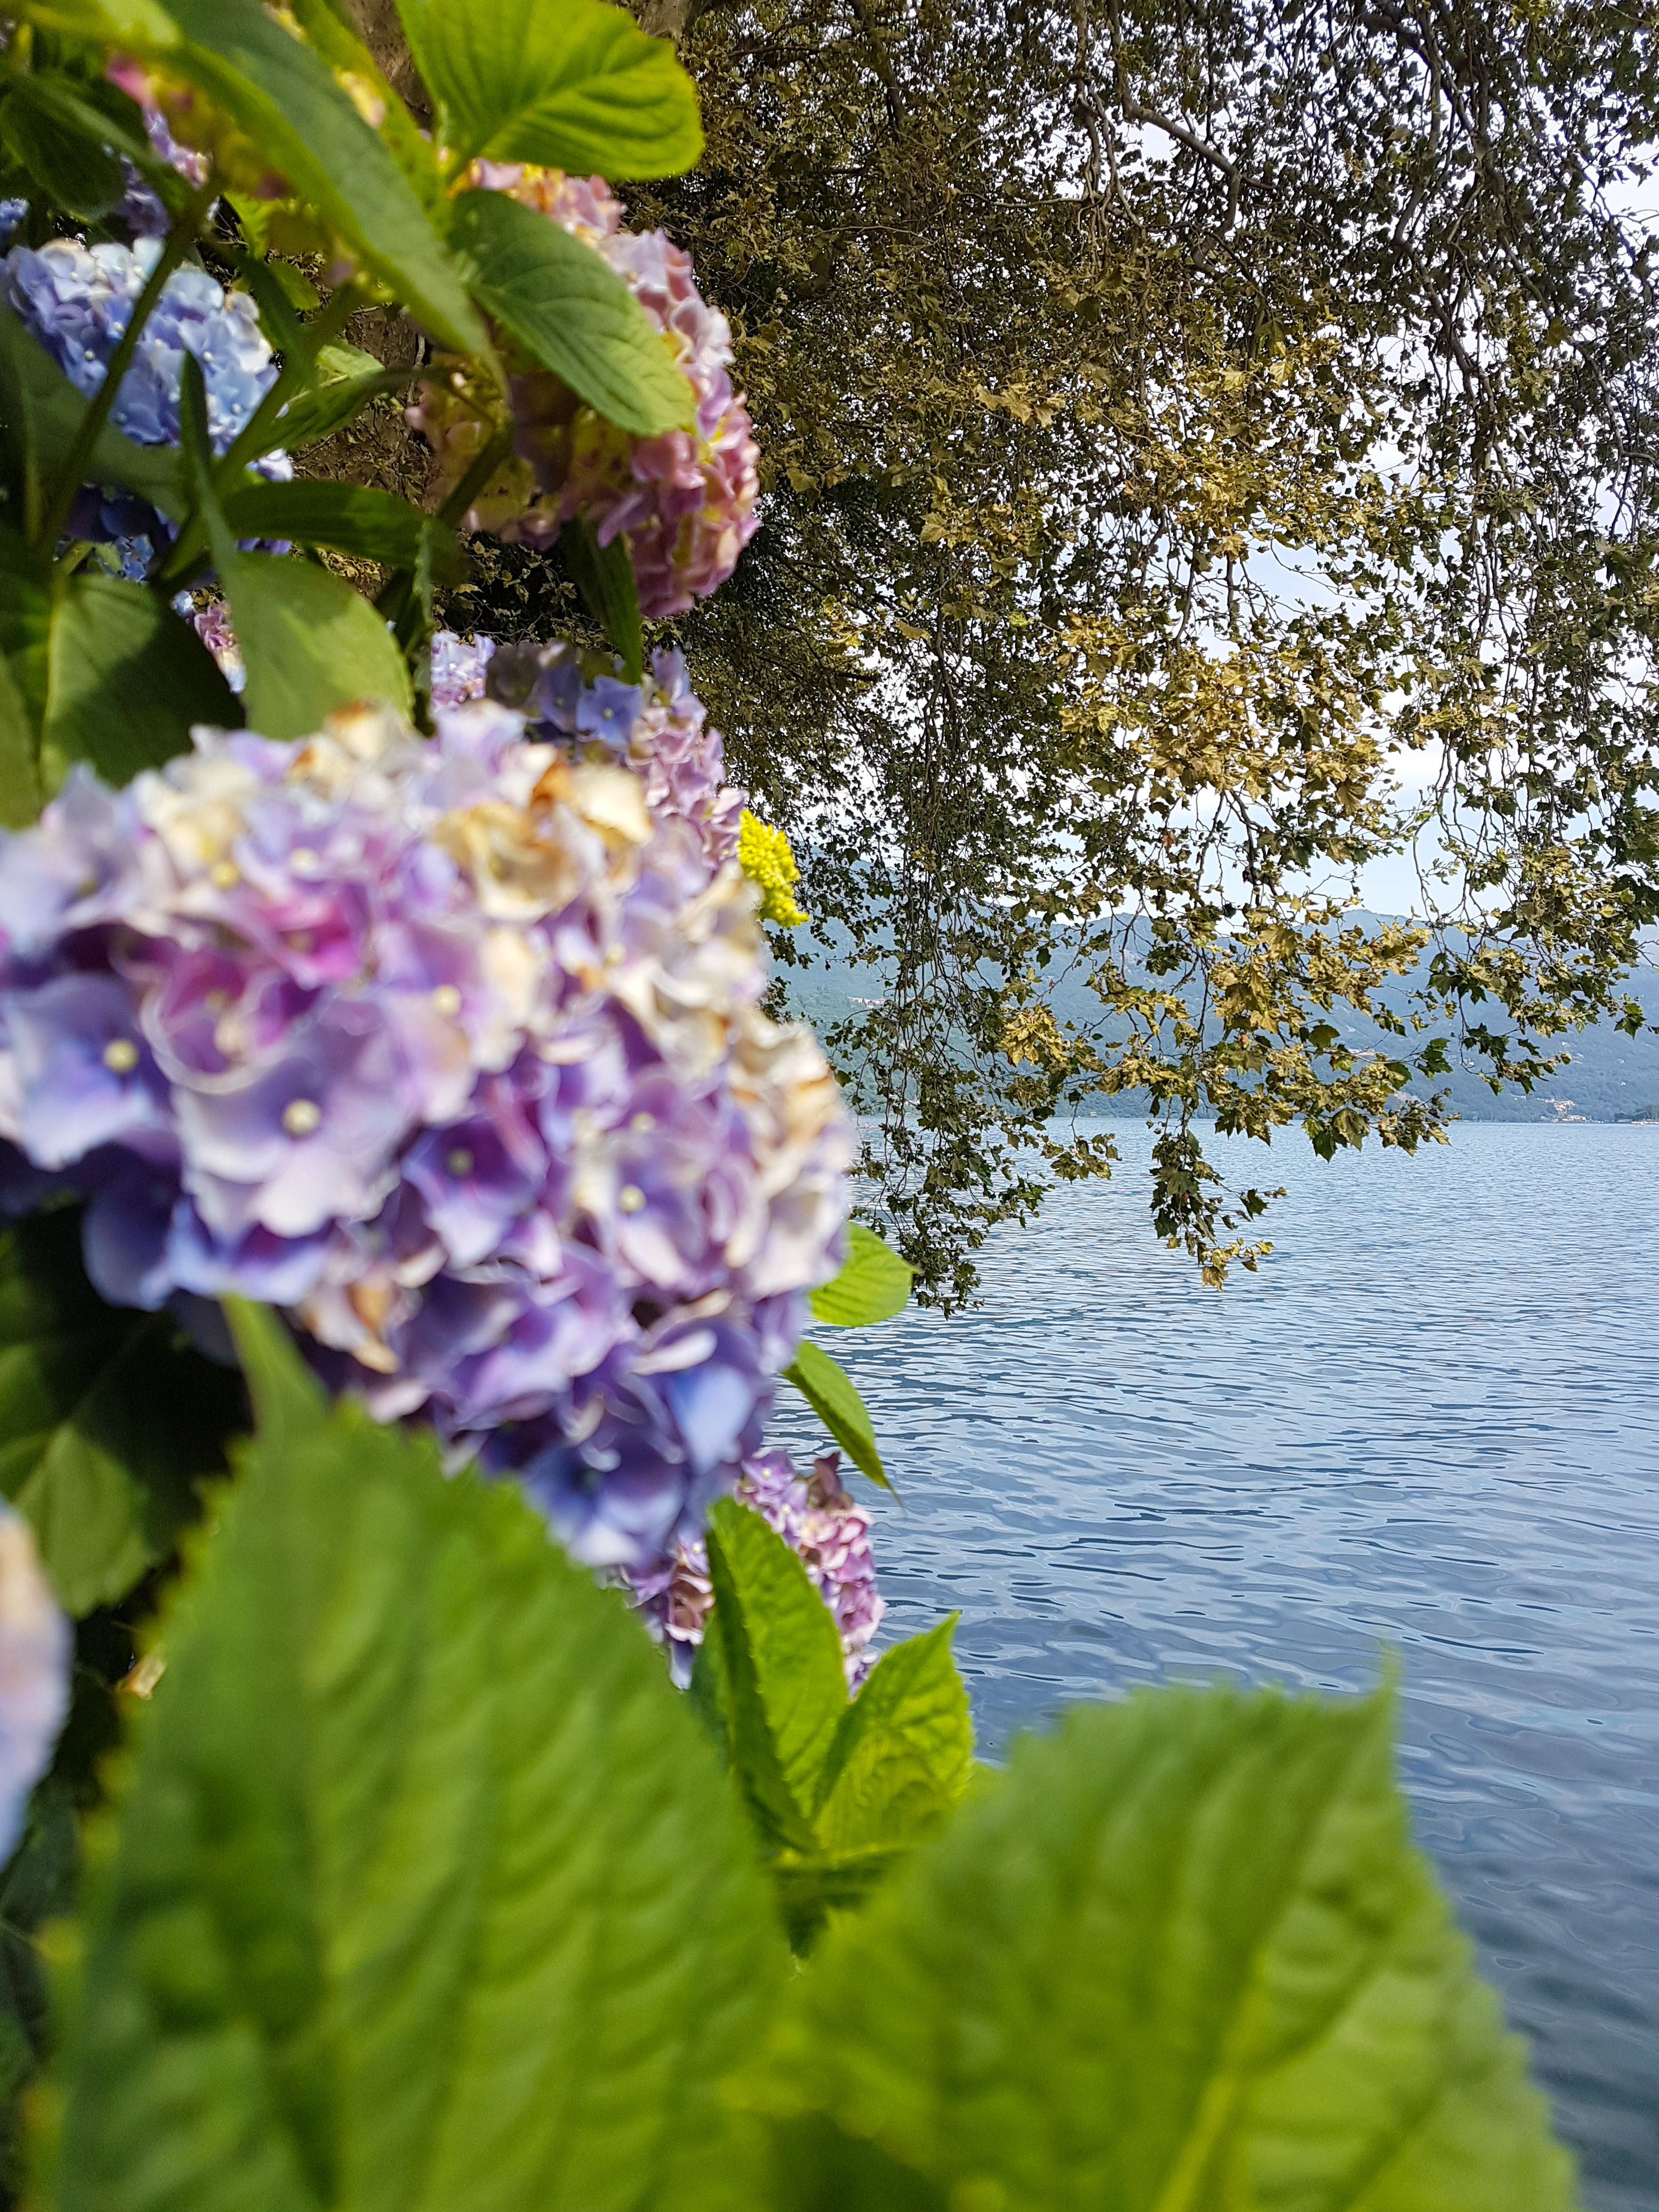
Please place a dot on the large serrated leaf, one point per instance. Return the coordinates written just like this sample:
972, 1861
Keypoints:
310, 644
569, 309
1184, 1958
577, 87
129, 680
427, 1893
873, 1282
903, 1750
107, 1421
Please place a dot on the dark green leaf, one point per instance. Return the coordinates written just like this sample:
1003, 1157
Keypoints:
129, 679
57, 141
107, 1420
1184, 1955
39, 412
310, 644
426, 1889
38, 1885
829, 1389
784, 1687
376, 525
603, 575
812, 2166
874, 1285
578, 87
566, 306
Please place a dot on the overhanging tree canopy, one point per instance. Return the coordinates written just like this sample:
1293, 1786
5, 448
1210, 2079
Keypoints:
1176, 415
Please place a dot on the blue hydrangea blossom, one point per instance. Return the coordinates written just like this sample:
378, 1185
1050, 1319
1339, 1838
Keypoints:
76, 300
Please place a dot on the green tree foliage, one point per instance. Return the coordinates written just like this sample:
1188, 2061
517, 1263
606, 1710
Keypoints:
1175, 421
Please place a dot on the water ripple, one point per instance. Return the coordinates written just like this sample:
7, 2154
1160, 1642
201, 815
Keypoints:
1426, 1426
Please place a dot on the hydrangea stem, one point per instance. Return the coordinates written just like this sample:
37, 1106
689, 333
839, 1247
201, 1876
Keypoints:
76, 462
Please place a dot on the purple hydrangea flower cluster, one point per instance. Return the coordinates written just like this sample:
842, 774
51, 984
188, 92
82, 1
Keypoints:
34, 1672
11, 214
456, 1051
142, 208
684, 502
827, 1530
660, 727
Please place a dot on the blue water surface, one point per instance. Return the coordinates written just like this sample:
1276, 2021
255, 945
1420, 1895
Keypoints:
1427, 1425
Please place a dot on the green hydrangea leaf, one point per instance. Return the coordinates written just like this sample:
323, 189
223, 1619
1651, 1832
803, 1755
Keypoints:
578, 87
903, 1750
426, 1892
108, 1420
1184, 1957
830, 1390
873, 1283
375, 525
128, 680
566, 306
286, 99
781, 1679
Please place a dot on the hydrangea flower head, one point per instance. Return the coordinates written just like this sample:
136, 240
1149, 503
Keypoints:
76, 300
456, 1052
34, 1671
684, 500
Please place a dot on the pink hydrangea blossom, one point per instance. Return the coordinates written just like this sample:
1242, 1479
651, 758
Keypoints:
684, 500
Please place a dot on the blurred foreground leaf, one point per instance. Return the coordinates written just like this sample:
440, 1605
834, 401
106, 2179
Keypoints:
873, 1283
1184, 1957
425, 1891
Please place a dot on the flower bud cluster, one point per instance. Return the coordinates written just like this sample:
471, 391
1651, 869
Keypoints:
683, 500
826, 1529
456, 1052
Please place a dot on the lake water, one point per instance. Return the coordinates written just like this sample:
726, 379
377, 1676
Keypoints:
1427, 1425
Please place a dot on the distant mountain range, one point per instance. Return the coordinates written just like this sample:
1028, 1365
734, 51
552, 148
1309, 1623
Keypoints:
1611, 1077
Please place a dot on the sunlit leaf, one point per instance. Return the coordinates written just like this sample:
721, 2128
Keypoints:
577, 87
873, 1283
568, 307
1183, 1955
784, 1689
